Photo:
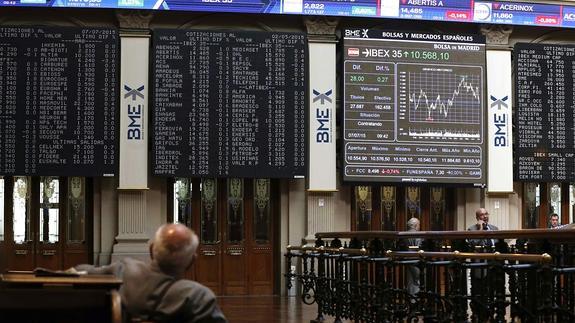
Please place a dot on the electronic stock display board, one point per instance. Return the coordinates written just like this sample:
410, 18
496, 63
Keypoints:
414, 107
544, 116
477, 11
58, 101
229, 104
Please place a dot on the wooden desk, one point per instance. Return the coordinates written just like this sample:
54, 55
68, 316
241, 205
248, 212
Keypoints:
90, 298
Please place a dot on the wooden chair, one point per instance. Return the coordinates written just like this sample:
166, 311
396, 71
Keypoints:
116, 301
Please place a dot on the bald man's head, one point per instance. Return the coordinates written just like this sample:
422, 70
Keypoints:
174, 248
482, 214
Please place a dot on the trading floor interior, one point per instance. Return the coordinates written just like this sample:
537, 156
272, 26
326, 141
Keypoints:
72, 212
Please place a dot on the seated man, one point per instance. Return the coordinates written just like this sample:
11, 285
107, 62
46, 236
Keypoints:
157, 291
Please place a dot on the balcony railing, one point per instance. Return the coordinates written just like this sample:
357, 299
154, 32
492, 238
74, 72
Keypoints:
452, 277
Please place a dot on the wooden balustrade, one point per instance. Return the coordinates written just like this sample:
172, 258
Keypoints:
371, 276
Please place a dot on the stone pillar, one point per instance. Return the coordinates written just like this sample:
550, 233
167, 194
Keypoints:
133, 217
497, 36
474, 199
106, 223
132, 235
322, 205
502, 205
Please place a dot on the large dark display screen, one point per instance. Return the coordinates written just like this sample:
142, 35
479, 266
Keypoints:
229, 104
544, 114
58, 101
413, 107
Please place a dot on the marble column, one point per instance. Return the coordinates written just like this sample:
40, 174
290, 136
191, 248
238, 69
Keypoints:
133, 214
503, 205
322, 212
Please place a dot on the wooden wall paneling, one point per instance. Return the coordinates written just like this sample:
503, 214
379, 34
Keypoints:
544, 205
387, 199
425, 218
208, 267
450, 207
401, 221
75, 253
3, 251
21, 256
260, 255
353, 217
376, 213
50, 254
234, 256
565, 203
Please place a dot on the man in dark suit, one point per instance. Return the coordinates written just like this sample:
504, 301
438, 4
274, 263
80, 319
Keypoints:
482, 217
157, 290
480, 289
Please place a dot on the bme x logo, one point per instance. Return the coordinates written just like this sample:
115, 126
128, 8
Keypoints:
133, 92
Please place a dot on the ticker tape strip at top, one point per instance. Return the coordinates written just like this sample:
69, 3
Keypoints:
492, 12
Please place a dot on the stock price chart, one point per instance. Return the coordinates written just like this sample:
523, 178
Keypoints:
414, 107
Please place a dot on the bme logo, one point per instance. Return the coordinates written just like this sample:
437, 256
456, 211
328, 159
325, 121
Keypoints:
500, 121
357, 33
323, 115
499, 103
135, 112
352, 33
133, 92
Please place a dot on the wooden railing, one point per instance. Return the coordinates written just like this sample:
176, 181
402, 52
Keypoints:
374, 277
